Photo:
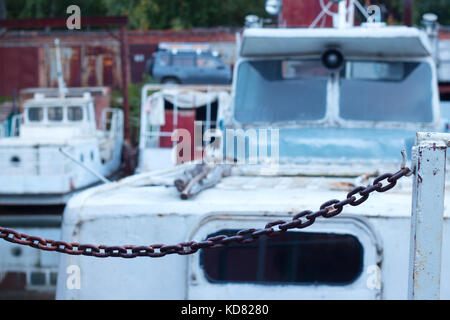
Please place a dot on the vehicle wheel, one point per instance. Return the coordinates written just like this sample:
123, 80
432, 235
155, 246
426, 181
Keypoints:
170, 80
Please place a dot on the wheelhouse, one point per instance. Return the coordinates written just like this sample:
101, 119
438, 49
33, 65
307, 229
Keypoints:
386, 79
56, 112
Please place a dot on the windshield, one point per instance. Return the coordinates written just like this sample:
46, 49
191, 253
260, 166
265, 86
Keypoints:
386, 91
280, 90
296, 90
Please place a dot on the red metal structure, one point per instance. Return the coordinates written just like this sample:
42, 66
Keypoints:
301, 13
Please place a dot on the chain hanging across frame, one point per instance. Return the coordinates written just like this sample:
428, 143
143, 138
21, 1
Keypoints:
301, 220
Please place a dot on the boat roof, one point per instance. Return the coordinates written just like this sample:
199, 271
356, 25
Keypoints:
356, 41
44, 101
153, 193
54, 141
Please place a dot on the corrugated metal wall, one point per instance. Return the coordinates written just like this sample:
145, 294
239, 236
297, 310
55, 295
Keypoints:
27, 59
83, 65
18, 69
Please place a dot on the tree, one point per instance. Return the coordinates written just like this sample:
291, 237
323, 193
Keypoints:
184, 14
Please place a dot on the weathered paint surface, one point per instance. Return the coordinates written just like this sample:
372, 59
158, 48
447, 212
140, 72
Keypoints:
18, 69
427, 217
104, 215
90, 58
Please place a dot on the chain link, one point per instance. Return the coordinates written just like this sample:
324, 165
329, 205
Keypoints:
301, 220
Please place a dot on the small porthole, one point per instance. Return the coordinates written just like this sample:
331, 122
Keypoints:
16, 251
92, 155
81, 158
15, 161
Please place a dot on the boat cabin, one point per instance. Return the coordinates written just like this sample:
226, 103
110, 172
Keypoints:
67, 117
57, 136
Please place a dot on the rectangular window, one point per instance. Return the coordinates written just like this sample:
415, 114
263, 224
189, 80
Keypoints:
297, 69
35, 114
386, 91
293, 257
55, 113
280, 91
377, 71
75, 113
163, 59
183, 60
207, 62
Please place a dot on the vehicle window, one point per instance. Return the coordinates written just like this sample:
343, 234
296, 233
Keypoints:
75, 113
386, 91
55, 113
297, 69
280, 90
183, 60
293, 257
35, 114
163, 59
206, 62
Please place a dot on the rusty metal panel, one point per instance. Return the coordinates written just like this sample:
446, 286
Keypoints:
101, 66
18, 69
71, 63
139, 54
301, 13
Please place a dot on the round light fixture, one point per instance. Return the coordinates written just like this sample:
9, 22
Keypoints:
273, 7
332, 59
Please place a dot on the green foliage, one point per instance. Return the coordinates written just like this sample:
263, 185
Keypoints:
147, 14
134, 101
4, 99
184, 14
439, 7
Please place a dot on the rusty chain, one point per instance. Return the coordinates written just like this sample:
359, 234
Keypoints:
328, 209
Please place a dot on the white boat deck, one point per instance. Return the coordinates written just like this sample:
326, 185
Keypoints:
281, 195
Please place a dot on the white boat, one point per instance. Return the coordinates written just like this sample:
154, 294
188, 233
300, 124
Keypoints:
332, 126
59, 149
35, 171
166, 109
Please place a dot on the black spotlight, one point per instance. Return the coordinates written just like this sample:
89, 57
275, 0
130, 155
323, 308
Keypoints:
332, 59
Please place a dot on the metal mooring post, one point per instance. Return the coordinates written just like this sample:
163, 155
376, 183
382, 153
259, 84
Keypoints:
429, 157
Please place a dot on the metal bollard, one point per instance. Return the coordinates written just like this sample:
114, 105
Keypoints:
429, 158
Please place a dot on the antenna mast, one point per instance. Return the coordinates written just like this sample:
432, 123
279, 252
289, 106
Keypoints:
344, 17
61, 84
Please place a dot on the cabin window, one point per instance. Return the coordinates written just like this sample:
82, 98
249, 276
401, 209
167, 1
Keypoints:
183, 60
35, 114
207, 62
55, 113
75, 113
386, 91
163, 59
297, 69
293, 257
281, 90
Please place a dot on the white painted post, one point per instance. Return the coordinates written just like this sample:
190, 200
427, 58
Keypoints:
429, 157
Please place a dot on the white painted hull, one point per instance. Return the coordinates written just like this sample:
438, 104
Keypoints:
45, 176
135, 212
